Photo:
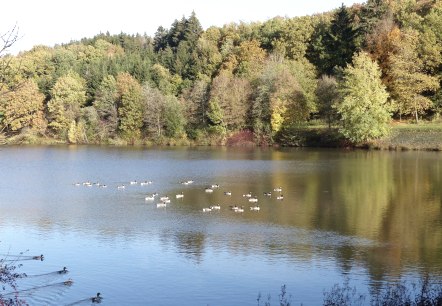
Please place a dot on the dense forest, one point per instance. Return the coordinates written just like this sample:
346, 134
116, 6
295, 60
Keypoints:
354, 70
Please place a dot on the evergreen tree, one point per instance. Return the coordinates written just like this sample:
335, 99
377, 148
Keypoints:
371, 13
340, 41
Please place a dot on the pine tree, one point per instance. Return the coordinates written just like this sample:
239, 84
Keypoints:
340, 41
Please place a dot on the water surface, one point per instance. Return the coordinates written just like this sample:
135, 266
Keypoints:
371, 217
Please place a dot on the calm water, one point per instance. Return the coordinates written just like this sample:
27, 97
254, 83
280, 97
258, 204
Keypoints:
370, 217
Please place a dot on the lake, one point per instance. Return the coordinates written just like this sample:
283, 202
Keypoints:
369, 217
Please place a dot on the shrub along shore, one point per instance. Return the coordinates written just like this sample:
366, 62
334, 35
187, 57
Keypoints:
402, 137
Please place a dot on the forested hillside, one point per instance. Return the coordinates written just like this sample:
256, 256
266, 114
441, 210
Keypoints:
354, 69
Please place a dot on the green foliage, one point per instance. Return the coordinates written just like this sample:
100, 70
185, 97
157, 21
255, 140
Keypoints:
68, 96
260, 76
334, 44
215, 116
72, 132
106, 103
168, 84
129, 107
196, 101
363, 109
327, 94
153, 105
284, 95
233, 96
174, 119
409, 83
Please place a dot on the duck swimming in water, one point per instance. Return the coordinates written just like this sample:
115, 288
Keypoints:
41, 257
68, 282
64, 271
97, 299
180, 196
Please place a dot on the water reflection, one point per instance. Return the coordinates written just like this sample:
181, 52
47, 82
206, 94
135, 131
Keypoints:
378, 211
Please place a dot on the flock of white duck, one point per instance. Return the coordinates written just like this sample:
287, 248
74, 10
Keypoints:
163, 201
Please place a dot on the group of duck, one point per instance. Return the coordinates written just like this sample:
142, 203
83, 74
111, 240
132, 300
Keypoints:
165, 200
95, 299
120, 186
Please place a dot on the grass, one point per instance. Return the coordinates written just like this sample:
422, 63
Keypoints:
424, 136
403, 136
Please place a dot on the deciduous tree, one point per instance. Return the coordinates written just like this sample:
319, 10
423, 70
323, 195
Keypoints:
129, 107
23, 108
68, 96
363, 106
233, 95
409, 82
106, 104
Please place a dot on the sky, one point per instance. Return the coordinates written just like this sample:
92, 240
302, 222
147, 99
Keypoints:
50, 22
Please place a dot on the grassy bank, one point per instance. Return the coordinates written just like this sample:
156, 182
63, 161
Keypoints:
426, 136
403, 136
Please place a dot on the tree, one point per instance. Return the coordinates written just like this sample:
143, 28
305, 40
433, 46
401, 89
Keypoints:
106, 100
195, 101
382, 43
233, 96
153, 104
284, 96
409, 82
250, 57
174, 120
209, 57
364, 111
129, 107
327, 94
215, 118
8, 39
68, 96
287, 36
340, 41
371, 13
167, 83
23, 108
160, 39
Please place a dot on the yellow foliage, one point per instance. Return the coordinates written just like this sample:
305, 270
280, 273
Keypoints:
24, 108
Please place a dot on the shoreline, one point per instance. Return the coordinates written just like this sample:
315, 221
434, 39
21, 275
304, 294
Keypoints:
401, 138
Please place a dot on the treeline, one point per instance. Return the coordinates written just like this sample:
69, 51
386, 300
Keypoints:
355, 68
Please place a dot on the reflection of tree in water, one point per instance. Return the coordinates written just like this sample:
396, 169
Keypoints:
190, 244
389, 197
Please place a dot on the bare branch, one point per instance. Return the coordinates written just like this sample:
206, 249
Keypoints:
8, 39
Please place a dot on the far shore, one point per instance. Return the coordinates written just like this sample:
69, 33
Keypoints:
425, 136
